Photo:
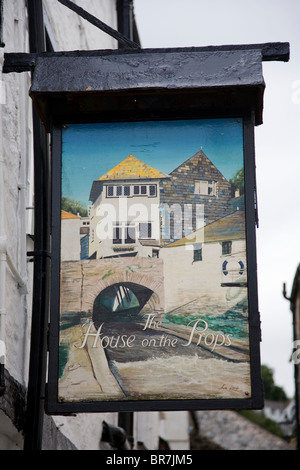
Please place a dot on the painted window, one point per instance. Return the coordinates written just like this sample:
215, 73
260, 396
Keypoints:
197, 252
117, 234
145, 229
226, 248
126, 190
152, 190
149, 190
110, 191
205, 188
124, 234
130, 235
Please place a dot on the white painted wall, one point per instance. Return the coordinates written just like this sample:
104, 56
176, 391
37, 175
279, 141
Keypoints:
71, 32
146, 429
201, 279
174, 427
16, 152
133, 210
70, 239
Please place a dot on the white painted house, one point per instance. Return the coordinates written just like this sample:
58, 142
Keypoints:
208, 265
124, 218
70, 236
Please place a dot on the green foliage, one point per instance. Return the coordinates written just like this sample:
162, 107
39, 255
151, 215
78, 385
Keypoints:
73, 206
258, 417
238, 182
271, 391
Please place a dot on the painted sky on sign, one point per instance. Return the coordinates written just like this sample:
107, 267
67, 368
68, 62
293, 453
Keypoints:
90, 150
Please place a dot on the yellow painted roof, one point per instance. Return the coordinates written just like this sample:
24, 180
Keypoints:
132, 168
68, 215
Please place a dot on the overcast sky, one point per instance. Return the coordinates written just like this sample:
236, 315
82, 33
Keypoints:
177, 23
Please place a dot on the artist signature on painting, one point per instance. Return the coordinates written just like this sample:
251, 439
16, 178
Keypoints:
233, 388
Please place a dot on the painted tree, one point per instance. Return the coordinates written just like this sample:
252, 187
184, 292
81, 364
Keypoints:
73, 206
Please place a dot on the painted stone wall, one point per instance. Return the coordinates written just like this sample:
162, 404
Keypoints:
82, 281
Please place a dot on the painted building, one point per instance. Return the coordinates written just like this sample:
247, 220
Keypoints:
124, 218
84, 237
207, 269
70, 236
195, 195
139, 211
75, 232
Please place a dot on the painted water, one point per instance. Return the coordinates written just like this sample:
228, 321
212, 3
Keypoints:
233, 321
179, 377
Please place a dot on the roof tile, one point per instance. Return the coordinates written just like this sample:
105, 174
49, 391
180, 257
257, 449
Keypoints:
131, 168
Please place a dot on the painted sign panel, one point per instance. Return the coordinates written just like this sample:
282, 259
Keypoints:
153, 273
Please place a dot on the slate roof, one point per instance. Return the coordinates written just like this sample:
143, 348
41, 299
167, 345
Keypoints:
199, 166
230, 227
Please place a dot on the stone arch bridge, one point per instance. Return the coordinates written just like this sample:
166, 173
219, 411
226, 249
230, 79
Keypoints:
82, 281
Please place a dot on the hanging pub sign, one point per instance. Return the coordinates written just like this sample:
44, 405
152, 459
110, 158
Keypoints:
154, 301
